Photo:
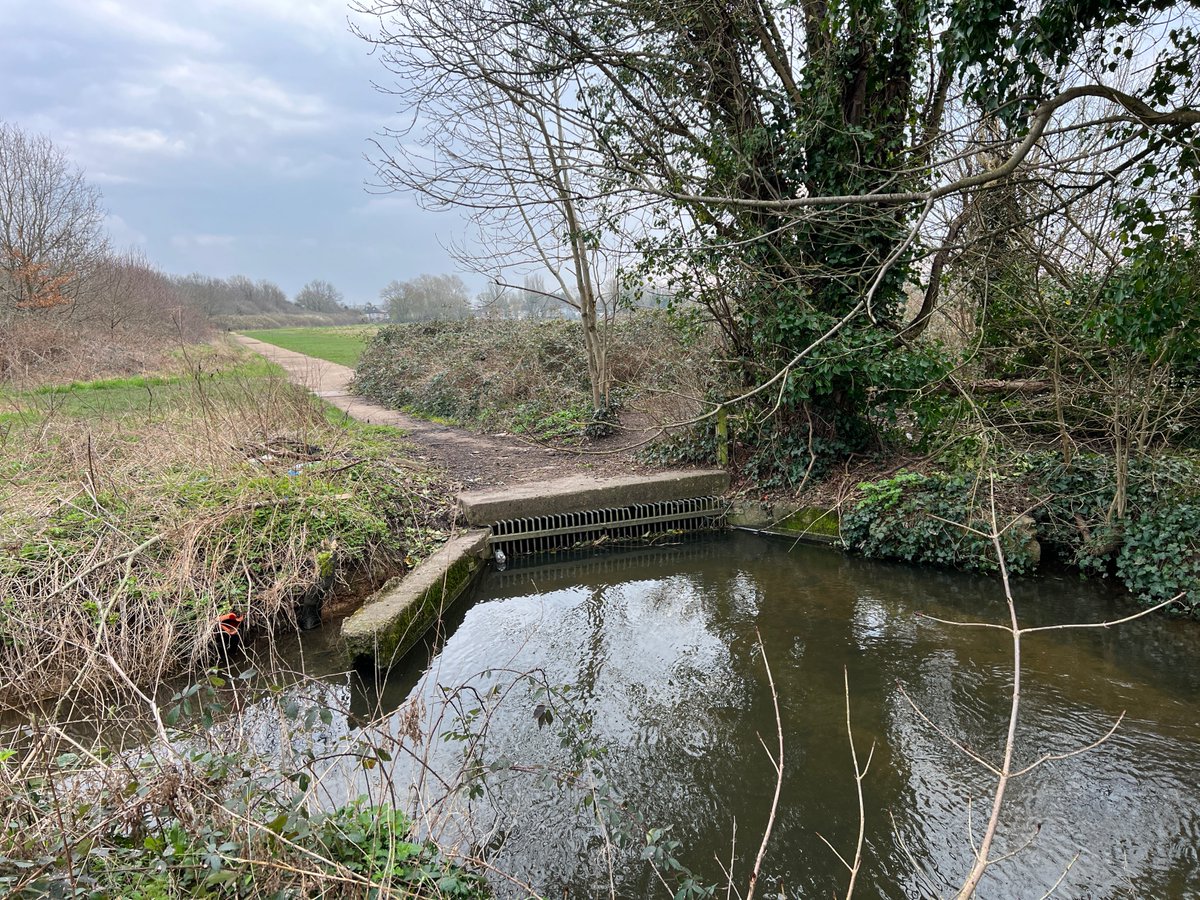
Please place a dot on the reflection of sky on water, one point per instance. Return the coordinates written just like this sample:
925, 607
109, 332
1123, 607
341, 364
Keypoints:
663, 660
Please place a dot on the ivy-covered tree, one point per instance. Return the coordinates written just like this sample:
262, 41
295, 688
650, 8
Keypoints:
794, 157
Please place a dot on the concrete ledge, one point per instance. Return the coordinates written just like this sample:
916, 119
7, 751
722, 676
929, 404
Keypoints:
392, 621
813, 524
579, 493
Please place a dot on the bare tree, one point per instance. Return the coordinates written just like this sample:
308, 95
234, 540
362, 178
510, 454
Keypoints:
238, 295
319, 296
497, 302
51, 222
427, 298
508, 145
119, 299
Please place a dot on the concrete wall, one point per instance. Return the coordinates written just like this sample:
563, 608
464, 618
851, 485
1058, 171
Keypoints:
392, 621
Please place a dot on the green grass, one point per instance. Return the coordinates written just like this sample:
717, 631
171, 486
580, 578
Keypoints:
342, 344
129, 395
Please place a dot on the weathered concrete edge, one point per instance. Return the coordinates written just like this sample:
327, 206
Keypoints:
810, 524
399, 614
576, 494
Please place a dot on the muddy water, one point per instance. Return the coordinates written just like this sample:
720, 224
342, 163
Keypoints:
662, 650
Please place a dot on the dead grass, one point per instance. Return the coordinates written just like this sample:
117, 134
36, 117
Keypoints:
214, 805
55, 349
135, 512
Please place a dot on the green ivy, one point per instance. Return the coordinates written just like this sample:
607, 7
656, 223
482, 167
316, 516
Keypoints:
1160, 556
1074, 514
934, 519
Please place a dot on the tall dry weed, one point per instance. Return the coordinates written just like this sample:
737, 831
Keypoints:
125, 534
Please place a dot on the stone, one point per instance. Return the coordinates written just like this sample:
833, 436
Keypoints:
806, 523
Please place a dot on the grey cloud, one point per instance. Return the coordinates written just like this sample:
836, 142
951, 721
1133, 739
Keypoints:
227, 135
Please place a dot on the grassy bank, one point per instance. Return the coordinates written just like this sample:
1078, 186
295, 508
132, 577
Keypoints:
135, 513
343, 345
526, 377
278, 319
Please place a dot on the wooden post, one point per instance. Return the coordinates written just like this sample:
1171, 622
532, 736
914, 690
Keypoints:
722, 436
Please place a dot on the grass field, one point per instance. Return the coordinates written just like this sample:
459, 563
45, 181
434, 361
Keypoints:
342, 344
137, 396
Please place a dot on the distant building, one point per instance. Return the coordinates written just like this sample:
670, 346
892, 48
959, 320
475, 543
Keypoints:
373, 313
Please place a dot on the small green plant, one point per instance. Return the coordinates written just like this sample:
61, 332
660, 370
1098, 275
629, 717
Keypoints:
378, 843
216, 821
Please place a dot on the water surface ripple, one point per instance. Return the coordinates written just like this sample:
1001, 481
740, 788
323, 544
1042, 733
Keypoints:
661, 649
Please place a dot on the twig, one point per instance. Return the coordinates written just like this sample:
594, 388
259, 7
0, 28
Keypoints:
107, 561
1054, 757
985, 845
1111, 622
859, 775
930, 618
958, 745
1061, 878
732, 858
777, 762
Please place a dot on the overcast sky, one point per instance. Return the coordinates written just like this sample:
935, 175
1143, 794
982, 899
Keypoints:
227, 136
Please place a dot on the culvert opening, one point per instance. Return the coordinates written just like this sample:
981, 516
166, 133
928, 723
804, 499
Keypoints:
640, 521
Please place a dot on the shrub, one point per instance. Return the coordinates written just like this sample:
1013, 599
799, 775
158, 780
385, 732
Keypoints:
937, 519
1161, 556
531, 377
1075, 514
493, 375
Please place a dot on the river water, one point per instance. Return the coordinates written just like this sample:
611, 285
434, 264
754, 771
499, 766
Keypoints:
670, 708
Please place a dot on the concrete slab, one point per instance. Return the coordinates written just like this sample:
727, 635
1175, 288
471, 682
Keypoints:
391, 622
580, 492
811, 524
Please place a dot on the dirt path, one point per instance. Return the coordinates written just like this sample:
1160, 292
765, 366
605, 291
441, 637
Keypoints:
474, 460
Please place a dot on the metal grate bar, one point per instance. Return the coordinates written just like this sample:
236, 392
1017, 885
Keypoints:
535, 534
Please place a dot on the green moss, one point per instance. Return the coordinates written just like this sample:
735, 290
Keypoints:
406, 625
422, 615
325, 565
811, 520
